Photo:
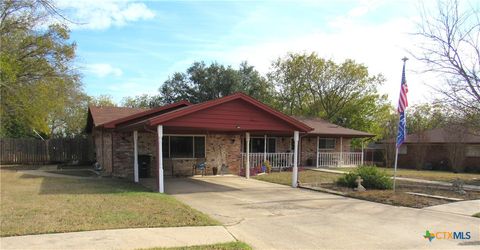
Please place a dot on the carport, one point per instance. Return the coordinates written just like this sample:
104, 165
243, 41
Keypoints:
221, 127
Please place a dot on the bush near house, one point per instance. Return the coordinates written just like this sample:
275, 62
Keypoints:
373, 178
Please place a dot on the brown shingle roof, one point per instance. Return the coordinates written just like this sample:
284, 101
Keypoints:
444, 135
102, 115
322, 127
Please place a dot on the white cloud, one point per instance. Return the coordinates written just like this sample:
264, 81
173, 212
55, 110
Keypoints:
103, 70
379, 46
99, 15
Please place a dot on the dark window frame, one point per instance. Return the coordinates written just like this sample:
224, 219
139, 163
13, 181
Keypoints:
194, 153
327, 144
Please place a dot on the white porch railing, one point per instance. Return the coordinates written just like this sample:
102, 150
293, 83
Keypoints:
278, 161
339, 159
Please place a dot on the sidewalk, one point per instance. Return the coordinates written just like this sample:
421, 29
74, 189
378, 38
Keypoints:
132, 238
467, 208
439, 183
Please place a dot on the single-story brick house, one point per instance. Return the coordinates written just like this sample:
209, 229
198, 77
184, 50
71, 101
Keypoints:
436, 147
237, 131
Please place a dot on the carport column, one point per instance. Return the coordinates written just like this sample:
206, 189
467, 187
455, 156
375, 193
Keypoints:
318, 146
135, 155
295, 159
362, 154
247, 167
264, 149
160, 158
341, 151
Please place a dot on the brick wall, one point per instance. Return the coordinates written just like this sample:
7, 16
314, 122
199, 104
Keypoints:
103, 149
220, 148
308, 155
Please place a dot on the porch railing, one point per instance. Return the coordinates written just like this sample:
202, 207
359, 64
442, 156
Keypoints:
278, 161
339, 159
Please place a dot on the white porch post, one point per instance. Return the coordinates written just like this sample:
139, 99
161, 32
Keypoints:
160, 158
247, 167
362, 155
295, 159
135, 155
265, 149
341, 151
318, 145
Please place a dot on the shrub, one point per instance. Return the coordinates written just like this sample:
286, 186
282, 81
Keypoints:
373, 178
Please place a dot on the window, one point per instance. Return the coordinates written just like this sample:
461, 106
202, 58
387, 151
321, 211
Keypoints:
326, 143
402, 150
272, 145
257, 145
472, 151
183, 146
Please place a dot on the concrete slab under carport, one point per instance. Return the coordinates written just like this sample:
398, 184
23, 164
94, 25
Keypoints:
272, 216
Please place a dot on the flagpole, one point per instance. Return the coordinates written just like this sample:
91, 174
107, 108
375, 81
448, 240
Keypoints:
395, 168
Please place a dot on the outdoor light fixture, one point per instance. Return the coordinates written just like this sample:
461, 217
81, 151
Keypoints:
233, 140
238, 126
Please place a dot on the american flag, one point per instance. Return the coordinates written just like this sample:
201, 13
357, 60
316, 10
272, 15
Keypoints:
402, 105
402, 101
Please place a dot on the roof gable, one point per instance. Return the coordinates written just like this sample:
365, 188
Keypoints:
237, 112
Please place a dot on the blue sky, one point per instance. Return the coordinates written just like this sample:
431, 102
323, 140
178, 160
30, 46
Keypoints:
128, 48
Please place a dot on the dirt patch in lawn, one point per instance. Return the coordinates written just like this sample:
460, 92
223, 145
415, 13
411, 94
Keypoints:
400, 197
80, 173
314, 179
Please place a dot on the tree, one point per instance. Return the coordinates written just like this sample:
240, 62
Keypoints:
451, 48
141, 101
39, 85
102, 101
345, 94
202, 83
456, 134
389, 134
422, 118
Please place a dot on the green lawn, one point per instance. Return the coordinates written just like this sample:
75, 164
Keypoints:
34, 205
222, 246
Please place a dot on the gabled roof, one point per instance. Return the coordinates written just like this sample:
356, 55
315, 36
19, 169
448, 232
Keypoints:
237, 96
102, 115
148, 113
444, 135
322, 127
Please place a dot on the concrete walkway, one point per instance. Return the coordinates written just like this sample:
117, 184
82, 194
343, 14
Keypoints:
439, 183
272, 216
134, 238
467, 208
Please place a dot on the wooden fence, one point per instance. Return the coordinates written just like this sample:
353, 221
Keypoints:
33, 151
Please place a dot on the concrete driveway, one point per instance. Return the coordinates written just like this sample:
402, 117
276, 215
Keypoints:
272, 216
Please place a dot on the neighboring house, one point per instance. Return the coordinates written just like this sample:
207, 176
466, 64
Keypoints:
436, 148
174, 137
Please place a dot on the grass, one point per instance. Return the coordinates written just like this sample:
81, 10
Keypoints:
398, 198
222, 246
477, 215
33, 205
